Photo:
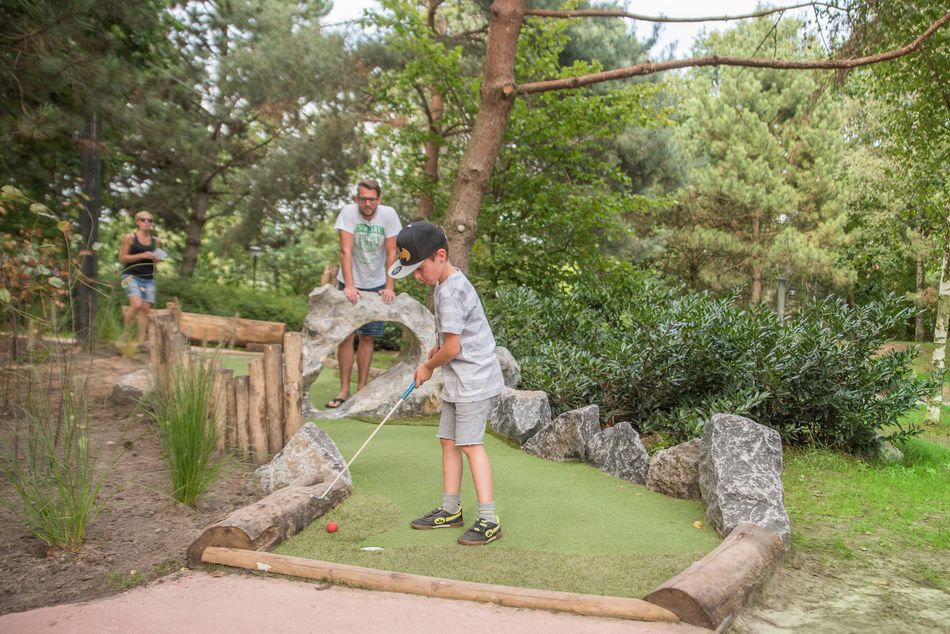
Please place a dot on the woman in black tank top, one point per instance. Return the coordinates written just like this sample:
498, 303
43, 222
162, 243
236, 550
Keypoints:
138, 254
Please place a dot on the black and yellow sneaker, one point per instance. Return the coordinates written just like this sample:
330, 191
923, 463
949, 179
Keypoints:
482, 532
438, 518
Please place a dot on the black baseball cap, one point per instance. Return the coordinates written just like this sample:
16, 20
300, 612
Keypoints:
414, 244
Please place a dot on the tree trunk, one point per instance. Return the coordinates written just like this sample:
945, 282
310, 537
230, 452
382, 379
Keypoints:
431, 166
86, 304
919, 321
196, 225
434, 109
935, 403
497, 97
756, 296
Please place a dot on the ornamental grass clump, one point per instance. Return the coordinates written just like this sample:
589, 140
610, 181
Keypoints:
184, 410
57, 479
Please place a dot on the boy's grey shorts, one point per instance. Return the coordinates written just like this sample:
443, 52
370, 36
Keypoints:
464, 422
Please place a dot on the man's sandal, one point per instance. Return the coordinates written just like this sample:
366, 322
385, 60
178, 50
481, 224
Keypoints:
335, 403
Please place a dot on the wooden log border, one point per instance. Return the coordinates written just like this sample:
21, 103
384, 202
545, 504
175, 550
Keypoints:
387, 581
712, 590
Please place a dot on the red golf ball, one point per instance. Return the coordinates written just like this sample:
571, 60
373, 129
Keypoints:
331, 527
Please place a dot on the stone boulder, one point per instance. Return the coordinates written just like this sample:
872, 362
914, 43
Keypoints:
509, 367
619, 451
567, 436
519, 414
331, 317
131, 388
889, 454
740, 468
308, 457
675, 471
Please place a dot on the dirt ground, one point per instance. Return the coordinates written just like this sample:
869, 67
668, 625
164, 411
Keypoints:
840, 597
142, 534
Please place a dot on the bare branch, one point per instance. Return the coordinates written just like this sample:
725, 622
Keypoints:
606, 13
650, 68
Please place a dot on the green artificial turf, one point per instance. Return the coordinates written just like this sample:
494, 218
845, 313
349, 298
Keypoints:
567, 526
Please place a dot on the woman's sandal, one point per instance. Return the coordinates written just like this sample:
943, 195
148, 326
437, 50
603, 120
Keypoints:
335, 403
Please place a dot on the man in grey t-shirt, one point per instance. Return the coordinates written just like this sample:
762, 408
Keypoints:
367, 233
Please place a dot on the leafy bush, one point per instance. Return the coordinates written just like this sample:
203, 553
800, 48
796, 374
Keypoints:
47, 460
185, 412
216, 299
665, 359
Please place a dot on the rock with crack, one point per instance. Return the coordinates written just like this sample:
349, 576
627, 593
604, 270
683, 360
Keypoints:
740, 468
619, 451
519, 414
309, 457
331, 317
675, 471
567, 436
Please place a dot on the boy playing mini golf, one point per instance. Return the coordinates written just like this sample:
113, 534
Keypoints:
471, 376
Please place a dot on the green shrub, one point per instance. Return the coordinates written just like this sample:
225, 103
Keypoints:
185, 412
228, 301
665, 359
55, 475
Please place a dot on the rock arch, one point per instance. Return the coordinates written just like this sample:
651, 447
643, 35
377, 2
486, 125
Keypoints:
331, 317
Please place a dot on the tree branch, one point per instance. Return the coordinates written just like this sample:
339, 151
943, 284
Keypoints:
650, 68
606, 13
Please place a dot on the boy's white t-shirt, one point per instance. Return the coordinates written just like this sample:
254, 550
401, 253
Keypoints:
369, 242
475, 374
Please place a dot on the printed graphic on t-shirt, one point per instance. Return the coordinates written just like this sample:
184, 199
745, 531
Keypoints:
368, 240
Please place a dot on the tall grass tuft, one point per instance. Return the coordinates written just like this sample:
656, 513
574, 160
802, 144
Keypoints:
185, 412
56, 478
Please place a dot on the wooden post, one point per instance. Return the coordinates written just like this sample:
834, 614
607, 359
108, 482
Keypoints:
154, 342
293, 382
240, 414
255, 411
230, 410
274, 397
222, 389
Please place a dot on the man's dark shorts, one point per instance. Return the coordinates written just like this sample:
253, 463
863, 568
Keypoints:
373, 328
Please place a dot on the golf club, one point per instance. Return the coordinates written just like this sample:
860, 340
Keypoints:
405, 395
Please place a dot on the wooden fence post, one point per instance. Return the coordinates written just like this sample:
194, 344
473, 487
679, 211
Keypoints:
293, 381
255, 411
240, 414
274, 397
222, 383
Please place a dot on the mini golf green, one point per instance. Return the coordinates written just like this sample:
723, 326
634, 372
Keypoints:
567, 526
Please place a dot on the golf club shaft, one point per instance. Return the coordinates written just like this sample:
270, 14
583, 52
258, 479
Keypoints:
366, 442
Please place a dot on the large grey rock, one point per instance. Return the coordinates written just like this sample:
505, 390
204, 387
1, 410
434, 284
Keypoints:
519, 414
131, 388
510, 369
675, 471
890, 454
331, 317
567, 436
740, 468
619, 451
308, 457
